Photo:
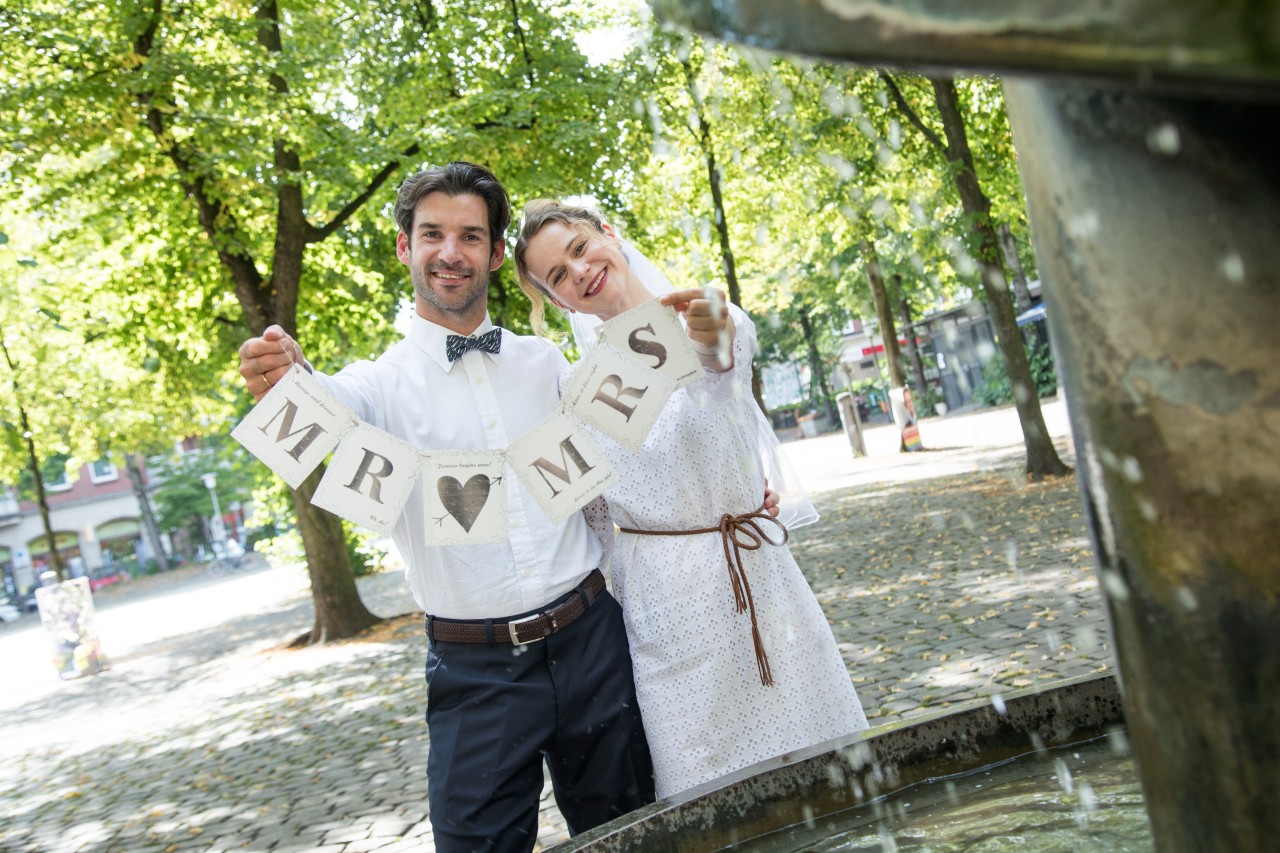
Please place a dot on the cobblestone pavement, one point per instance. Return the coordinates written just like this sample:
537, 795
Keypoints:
213, 737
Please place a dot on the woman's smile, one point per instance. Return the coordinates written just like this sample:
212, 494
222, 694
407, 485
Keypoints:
593, 287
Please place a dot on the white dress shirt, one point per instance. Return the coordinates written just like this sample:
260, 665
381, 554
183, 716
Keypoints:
478, 402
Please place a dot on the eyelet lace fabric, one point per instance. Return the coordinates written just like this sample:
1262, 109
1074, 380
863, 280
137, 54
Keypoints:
705, 711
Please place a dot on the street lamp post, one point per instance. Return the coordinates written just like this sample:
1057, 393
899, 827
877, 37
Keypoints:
210, 482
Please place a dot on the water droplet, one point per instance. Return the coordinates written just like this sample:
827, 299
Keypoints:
1164, 139
1114, 585
1147, 508
842, 167
1088, 801
1084, 226
1233, 267
1118, 739
1063, 773
807, 811
1131, 470
1085, 639
1186, 598
997, 702
858, 755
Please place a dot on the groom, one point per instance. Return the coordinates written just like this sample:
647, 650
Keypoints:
527, 651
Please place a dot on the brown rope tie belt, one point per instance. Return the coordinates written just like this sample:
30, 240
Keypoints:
738, 533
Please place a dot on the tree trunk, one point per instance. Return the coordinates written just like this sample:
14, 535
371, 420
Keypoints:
817, 371
917, 364
1042, 457
889, 333
706, 144
33, 462
1010, 248
338, 608
897, 378
757, 388
42, 501
144, 504
264, 301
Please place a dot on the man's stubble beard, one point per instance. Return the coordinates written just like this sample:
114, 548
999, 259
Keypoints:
424, 292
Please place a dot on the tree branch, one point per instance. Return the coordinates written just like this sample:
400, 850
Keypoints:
911, 114
427, 15
216, 221
524, 48
316, 234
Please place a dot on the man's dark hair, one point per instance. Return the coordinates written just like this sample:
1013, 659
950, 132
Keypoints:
455, 179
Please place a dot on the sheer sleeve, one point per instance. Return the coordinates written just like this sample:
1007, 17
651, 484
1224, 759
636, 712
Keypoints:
717, 389
730, 393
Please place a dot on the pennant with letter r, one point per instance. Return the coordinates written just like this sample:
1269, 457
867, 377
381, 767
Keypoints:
617, 395
369, 479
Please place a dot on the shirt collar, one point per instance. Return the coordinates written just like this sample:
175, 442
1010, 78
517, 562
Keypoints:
430, 338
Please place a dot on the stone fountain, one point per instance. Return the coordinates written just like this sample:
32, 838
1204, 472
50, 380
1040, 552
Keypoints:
1148, 136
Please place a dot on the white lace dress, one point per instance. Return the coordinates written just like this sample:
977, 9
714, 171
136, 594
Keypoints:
706, 712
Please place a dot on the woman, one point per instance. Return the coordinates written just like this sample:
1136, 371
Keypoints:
732, 671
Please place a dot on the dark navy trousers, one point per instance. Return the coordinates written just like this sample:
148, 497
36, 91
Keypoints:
495, 711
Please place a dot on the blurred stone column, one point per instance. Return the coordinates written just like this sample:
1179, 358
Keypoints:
1156, 222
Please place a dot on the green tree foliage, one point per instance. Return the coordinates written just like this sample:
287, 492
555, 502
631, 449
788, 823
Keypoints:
182, 501
240, 159
70, 393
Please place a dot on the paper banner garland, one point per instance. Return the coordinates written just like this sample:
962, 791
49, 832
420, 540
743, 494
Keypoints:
620, 389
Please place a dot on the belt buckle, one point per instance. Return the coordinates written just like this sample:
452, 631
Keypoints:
516, 641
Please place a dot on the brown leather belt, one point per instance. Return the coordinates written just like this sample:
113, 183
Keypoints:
738, 533
519, 632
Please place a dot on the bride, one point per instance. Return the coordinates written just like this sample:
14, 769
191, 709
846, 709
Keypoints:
734, 660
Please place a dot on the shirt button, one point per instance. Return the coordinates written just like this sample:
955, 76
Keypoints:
492, 424
479, 380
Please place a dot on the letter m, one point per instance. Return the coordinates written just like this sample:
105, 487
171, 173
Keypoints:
561, 472
286, 432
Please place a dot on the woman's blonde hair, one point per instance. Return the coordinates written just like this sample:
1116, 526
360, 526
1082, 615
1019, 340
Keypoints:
537, 215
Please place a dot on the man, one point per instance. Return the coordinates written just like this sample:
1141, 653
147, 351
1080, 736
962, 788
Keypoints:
501, 692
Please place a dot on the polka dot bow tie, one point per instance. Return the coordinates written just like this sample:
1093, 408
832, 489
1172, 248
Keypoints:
456, 345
